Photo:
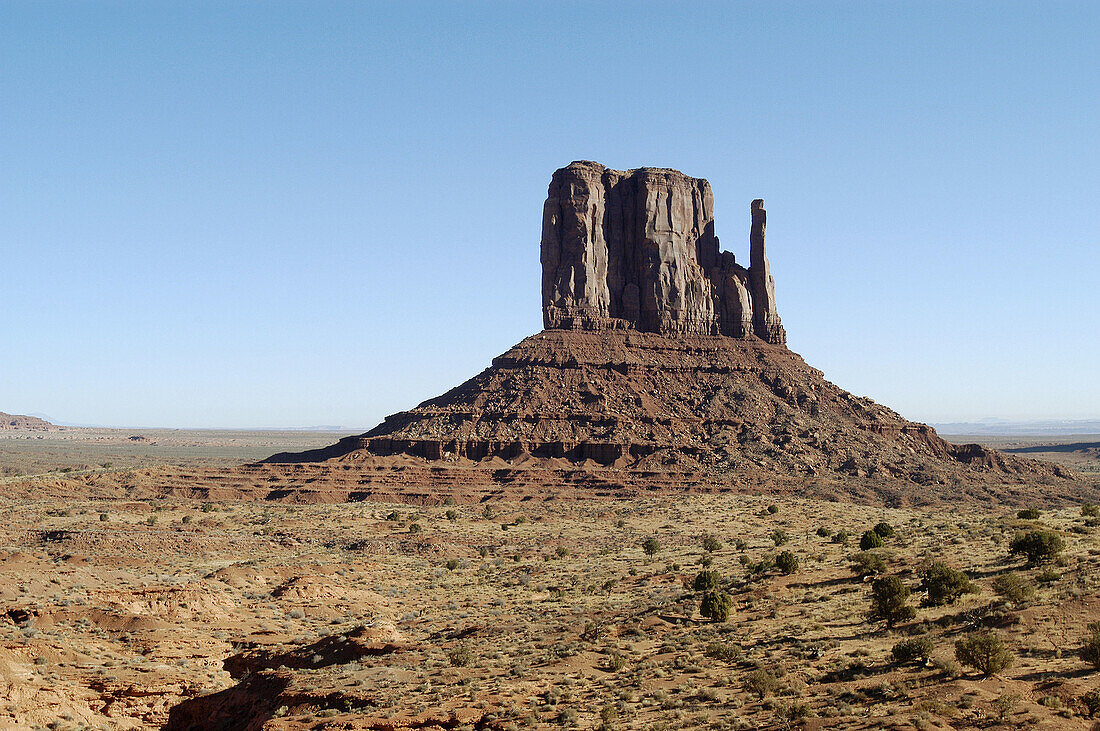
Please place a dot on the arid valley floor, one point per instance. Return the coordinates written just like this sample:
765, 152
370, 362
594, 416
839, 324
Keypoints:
125, 614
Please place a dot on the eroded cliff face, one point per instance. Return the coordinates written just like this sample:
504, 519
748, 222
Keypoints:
663, 365
637, 250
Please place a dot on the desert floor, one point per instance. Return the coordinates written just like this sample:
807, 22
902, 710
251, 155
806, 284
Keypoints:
67, 451
118, 615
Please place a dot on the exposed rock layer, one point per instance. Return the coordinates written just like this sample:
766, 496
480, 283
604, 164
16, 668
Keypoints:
637, 250
661, 355
714, 406
663, 367
18, 422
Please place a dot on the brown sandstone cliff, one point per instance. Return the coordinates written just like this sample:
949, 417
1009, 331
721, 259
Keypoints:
18, 422
637, 250
661, 356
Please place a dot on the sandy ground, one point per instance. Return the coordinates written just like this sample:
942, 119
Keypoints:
128, 614
124, 615
27, 453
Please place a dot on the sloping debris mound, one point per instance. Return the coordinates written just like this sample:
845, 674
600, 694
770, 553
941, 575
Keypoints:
635, 402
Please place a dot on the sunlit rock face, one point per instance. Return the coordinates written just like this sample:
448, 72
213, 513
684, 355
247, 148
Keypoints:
636, 250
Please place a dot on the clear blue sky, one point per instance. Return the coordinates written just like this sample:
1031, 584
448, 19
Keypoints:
288, 214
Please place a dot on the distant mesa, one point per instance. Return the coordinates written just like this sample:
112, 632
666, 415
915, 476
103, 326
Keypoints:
19, 422
663, 364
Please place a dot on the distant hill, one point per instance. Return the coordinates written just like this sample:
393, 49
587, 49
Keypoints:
997, 427
18, 422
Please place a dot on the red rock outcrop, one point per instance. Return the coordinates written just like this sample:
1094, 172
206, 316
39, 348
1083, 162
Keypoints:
18, 422
661, 355
637, 250
712, 405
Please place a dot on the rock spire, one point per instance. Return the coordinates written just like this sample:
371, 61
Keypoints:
636, 250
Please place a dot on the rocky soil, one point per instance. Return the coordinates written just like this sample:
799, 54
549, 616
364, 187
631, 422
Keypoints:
627, 412
505, 615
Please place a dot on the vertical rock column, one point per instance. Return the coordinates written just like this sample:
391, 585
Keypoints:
636, 249
766, 323
574, 249
736, 298
676, 249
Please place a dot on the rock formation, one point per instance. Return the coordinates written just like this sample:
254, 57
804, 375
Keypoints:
637, 250
663, 365
18, 422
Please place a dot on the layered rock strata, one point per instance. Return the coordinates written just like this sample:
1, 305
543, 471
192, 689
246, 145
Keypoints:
637, 250
708, 404
663, 362
18, 422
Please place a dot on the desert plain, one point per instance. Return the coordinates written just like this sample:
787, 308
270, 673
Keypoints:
650, 515
570, 611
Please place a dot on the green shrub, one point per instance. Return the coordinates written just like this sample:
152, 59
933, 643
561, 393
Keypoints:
452, 564
841, 537
757, 569
824, 531
460, 656
779, 537
1048, 576
1039, 546
1014, 588
615, 662
415, 528
567, 717
787, 562
983, 651
716, 606
773, 509
914, 649
706, 581
651, 546
1090, 651
452, 515
1028, 514
1088, 510
888, 601
1005, 704
884, 529
868, 563
945, 584
763, 683
1091, 700
724, 651
711, 544
869, 540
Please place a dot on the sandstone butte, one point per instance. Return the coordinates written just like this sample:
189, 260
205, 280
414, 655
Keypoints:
663, 366
18, 422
